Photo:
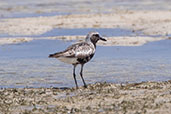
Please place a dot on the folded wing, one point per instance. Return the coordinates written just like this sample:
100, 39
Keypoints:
79, 50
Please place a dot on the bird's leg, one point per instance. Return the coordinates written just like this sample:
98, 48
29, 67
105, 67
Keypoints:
74, 75
81, 74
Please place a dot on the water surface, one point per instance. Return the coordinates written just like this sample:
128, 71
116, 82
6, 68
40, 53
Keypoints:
28, 65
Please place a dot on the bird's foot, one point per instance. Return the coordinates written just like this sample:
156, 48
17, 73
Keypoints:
85, 86
77, 87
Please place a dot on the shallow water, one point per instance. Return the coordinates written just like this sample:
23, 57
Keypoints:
70, 32
28, 65
103, 31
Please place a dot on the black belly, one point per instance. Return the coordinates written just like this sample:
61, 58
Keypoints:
84, 60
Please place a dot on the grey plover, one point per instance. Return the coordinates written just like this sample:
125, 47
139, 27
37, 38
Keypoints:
79, 53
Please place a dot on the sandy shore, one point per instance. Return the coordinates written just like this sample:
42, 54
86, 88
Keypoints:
144, 22
115, 41
111, 41
148, 22
146, 97
4, 41
26, 21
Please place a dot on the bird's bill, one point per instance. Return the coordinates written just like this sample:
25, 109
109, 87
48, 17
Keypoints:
102, 39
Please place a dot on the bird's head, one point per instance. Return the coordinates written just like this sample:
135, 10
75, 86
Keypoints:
94, 37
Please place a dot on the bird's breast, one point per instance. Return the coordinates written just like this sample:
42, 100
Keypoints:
85, 59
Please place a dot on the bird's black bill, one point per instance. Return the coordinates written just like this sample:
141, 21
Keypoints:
102, 39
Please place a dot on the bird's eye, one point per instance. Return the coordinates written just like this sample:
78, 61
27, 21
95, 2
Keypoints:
96, 35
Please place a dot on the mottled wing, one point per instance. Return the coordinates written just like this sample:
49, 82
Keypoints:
79, 50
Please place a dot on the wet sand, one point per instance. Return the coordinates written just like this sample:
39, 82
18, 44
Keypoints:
111, 41
145, 97
151, 19
144, 21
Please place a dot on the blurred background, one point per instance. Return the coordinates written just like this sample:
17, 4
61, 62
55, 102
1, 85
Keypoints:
32, 8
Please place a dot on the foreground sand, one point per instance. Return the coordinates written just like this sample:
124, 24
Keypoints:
146, 97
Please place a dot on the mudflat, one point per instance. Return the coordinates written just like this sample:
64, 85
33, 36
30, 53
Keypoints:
31, 26
144, 97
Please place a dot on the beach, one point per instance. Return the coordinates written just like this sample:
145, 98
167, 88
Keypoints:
130, 73
145, 97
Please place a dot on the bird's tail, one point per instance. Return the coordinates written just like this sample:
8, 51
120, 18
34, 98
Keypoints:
55, 55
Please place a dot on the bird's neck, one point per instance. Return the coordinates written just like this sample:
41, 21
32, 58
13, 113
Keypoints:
92, 43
